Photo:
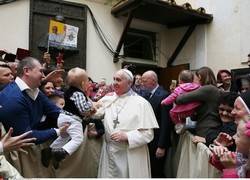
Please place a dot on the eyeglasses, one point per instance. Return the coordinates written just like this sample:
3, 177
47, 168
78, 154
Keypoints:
228, 111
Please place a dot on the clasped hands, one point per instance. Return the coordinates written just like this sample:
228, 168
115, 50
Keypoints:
227, 158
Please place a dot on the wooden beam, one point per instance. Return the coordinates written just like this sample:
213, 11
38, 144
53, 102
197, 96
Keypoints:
124, 33
181, 44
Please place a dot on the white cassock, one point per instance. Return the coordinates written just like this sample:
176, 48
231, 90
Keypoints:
57, 38
7, 170
136, 117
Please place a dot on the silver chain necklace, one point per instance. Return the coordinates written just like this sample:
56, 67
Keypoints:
116, 121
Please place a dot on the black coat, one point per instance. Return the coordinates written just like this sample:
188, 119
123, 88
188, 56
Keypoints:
162, 136
229, 128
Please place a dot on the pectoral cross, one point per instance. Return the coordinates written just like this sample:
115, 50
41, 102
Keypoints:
116, 122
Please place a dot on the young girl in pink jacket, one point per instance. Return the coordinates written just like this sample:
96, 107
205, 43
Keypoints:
179, 113
234, 164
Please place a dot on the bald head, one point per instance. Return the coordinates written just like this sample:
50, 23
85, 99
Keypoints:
150, 79
152, 75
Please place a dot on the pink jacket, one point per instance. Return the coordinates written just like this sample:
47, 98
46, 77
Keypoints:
181, 89
226, 173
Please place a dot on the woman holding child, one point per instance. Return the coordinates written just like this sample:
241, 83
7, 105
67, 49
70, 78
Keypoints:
207, 115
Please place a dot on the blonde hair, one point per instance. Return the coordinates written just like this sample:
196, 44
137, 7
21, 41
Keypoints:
76, 77
245, 119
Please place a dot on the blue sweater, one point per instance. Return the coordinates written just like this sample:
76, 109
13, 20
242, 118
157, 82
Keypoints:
23, 113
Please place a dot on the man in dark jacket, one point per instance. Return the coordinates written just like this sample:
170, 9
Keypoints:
162, 136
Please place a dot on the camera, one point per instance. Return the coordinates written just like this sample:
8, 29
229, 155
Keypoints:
131, 67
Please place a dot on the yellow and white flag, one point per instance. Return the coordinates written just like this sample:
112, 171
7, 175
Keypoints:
63, 34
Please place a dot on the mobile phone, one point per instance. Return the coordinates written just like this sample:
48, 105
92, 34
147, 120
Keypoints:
60, 58
10, 57
22, 53
173, 84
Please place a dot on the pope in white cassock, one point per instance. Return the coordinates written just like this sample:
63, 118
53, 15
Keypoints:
129, 121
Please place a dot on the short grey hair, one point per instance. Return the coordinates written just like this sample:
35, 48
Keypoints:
28, 62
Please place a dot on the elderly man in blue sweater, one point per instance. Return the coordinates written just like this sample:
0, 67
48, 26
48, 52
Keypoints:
23, 107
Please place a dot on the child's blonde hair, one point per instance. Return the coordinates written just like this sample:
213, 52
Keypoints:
76, 77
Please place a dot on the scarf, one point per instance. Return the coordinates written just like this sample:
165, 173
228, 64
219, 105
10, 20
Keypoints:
241, 166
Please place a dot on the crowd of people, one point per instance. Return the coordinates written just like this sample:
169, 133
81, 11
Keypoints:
133, 118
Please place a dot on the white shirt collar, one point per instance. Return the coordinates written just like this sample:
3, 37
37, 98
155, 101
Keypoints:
153, 91
129, 93
24, 87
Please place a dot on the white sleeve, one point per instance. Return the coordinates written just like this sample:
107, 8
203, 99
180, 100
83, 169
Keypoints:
100, 112
137, 138
58, 133
1, 148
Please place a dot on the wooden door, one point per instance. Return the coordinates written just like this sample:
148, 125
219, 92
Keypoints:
166, 75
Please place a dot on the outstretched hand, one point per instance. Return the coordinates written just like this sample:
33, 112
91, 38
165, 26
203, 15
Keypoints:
15, 143
223, 139
53, 75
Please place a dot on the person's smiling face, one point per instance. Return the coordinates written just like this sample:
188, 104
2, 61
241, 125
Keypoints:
239, 110
121, 83
225, 113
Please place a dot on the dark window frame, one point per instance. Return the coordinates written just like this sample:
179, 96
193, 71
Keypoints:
141, 45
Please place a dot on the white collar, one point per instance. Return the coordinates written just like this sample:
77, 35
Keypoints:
24, 87
129, 93
153, 91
